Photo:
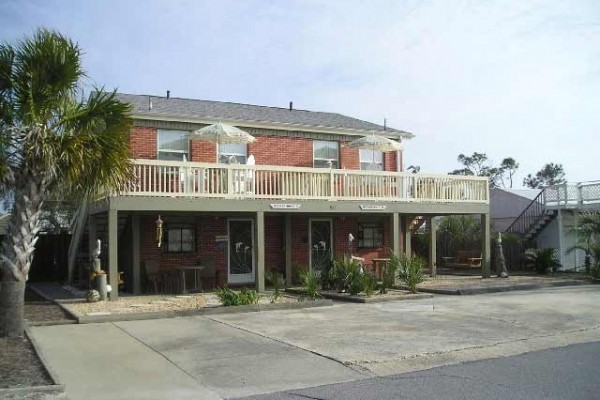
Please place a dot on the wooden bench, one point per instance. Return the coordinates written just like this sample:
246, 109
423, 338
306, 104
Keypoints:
464, 259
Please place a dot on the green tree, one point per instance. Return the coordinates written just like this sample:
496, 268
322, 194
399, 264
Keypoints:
551, 174
53, 143
478, 164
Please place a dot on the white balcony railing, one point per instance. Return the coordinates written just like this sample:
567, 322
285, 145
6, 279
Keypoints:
190, 179
573, 194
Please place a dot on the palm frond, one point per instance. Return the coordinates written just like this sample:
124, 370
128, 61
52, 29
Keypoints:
94, 145
47, 69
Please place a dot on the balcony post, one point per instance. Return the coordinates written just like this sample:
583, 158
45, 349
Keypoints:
288, 250
260, 252
331, 183
395, 231
406, 220
135, 253
113, 253
485, 246
432, 245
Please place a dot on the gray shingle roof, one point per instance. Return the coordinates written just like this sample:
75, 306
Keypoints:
216, 110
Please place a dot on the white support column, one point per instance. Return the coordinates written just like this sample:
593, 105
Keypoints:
407, 236
432, 245
113, 253
485, 246
561, 237
92, 236
135, 253
288, 250
395, 233
260, 251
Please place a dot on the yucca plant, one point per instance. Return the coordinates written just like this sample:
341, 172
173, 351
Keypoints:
544, 260
390, 272
347, 276
276, 281
53, 144
411, 271
310, 280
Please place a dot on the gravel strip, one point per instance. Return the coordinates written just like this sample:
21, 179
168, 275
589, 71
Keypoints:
477, 282
38, 309
155, 303
19, 365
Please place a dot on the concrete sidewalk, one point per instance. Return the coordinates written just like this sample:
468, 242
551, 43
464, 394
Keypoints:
238, 355
101, 361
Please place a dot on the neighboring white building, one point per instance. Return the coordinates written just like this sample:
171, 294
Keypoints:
551, 219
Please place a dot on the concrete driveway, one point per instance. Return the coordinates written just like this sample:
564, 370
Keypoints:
243, 354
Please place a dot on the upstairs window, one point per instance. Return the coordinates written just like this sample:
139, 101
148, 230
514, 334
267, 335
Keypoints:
371, 160
326, 154
233, 153
173, 145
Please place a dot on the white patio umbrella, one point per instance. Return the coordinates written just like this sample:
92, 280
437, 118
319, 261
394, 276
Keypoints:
222, 134
375, 142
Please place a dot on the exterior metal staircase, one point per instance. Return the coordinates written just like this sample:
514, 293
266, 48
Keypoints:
544, 208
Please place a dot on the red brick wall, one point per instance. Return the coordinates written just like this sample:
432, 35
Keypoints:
287, 151
206, 229
389, 161
202, 151
349, 157
143, 143
345, 225
267, 150
275, 243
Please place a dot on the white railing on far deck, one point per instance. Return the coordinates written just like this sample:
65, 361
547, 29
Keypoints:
171, 178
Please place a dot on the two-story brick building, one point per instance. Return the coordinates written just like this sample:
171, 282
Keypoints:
297, 206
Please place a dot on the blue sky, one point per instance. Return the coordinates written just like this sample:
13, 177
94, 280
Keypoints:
508, 78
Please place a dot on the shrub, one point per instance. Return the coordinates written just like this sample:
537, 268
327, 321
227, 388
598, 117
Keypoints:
388, 278
370, 283
544, 260
230, 298
275, 279
411, 272
327, 276
310, 280
248, 296
347, 276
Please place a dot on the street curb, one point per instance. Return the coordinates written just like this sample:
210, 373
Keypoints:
90, 319
525, 286
376, 299
362, 299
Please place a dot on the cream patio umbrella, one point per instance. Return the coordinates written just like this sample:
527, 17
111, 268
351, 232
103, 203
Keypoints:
221, 133
375, 142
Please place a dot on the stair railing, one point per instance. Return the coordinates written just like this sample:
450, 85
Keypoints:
530, 216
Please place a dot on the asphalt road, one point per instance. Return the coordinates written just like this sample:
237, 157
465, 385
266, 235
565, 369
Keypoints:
571, 372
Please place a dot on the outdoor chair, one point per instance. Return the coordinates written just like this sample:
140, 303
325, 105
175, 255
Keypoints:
153, 274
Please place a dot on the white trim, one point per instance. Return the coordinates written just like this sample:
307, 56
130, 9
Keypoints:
241, 278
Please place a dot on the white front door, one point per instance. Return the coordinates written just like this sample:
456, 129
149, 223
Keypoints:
241, 254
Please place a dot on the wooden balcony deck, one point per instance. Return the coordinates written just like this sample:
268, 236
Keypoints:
229, 181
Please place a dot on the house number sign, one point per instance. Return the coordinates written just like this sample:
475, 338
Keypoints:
371, 207
285, 206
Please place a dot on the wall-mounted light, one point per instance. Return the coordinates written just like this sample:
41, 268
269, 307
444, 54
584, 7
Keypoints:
159, 231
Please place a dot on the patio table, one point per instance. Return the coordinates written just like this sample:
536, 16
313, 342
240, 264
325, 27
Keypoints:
182, 269
378, 265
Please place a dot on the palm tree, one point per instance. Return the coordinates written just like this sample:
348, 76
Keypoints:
588, 238
53, 144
